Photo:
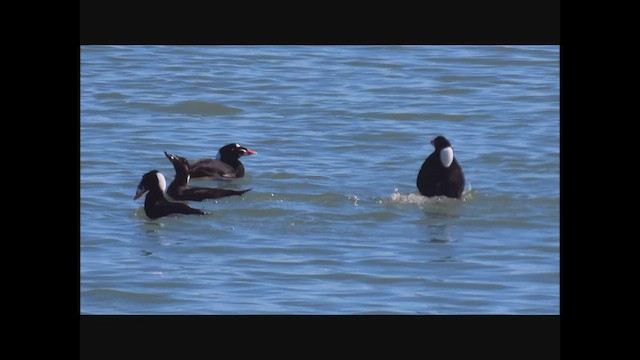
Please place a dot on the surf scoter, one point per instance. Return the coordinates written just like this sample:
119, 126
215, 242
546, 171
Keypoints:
155, 204
226, 165
181, 191
440, 173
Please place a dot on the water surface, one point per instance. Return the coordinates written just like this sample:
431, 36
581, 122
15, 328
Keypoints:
334, 223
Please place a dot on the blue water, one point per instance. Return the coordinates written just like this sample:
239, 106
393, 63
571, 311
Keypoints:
334, 223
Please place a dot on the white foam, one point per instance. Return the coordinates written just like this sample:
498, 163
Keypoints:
417, 198
410, 198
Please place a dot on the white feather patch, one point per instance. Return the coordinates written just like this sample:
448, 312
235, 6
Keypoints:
446, 156
162, 182
188, 178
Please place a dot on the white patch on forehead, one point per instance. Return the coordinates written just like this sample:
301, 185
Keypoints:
162, 182
237, 145
446, 156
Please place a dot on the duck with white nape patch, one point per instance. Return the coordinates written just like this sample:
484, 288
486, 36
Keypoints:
155, 204
440, 174
226, 165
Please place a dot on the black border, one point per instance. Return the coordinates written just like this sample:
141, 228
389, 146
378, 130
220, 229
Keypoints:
186, 337
444, 22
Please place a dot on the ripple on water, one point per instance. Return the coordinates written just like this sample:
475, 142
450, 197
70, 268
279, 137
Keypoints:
322, 231
192, 107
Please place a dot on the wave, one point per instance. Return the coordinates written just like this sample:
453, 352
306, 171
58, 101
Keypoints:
203, 108
193, 107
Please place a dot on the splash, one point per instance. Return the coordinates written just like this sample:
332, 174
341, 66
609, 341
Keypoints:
416, 198
397, 197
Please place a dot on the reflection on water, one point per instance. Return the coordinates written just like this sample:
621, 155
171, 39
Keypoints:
153, 231
439, 214
439, 234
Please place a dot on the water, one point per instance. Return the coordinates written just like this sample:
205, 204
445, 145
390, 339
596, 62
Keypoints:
334, 223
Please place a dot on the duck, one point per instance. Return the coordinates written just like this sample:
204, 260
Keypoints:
441, 174
226, 165
155, 203
179, 189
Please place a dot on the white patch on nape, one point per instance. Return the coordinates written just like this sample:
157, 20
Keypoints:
446, 156
188, 178
162, 182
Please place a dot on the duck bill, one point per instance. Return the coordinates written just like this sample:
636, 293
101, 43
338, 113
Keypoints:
250, 152
139, 192
169, 156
